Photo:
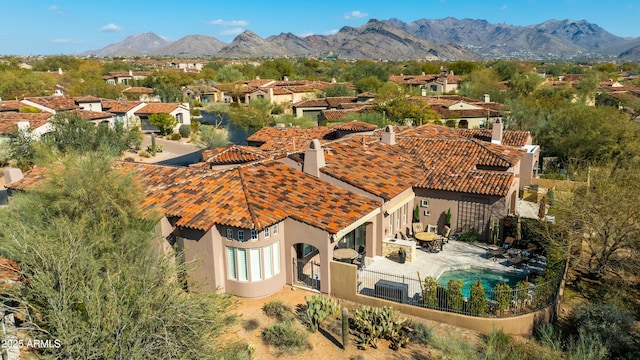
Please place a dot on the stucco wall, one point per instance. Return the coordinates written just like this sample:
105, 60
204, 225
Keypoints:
301, 233
198, 248
344, 286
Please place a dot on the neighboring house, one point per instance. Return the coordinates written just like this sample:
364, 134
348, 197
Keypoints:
11, 106
95, 117
288, 92
313, 109
140, 93
205, 94
230, 156
124, 111
180, 111
429, 83
11, 122
289, 138
124, 77
52, 104
465, 113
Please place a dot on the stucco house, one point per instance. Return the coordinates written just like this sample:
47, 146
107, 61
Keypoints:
429, 83
11, 122
180, 111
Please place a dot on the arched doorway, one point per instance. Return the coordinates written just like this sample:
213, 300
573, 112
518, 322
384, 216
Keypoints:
463, 124
306, 266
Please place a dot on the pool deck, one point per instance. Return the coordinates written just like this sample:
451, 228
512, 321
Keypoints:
454, 256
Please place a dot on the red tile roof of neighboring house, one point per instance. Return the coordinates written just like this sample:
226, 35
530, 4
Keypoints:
157, 108
86, 99
275, 132
250, 197
509, 137
354, 126
119, 106
11, 105
138, 90
56, 103
234, 154
446, 113
9, 121
336, 114
330, 102
413, 79
92, 115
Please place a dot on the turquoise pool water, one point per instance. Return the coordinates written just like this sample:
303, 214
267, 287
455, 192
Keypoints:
488, 278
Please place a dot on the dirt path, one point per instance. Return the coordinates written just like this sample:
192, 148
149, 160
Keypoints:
322, 347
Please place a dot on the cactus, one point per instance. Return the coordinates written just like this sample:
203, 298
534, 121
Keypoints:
153, 144
372, 324
345, 328
318, 309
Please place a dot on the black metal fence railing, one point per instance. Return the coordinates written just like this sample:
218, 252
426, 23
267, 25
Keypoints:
524, 298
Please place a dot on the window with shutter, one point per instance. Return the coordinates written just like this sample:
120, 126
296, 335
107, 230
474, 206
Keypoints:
231, 264
243, 274
256, 264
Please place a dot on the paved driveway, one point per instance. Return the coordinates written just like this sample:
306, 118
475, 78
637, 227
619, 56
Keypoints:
173, 153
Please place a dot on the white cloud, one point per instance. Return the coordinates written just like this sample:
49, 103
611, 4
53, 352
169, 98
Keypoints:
221, 22
331, 32
306, 33
111, 27
504, 7
62, 41
53, 8
356, 14
234, 31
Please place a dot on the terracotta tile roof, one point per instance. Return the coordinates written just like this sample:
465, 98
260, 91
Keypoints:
413, 79
138, 90
11, 105
509, 137
92, 115
157, 108
372, 166
428, 131
274, 132
462, 165
367, 95
9, 121
56, 103
118, 106
251, 197
234, 154
86, 99
291, 144
446, 113
336, 114
115, 74
330, 102
355, 125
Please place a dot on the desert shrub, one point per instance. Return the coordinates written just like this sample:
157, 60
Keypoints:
195, 112
455, 347
277, 309
251, 324
195, 126
611, 325
174, 136
238, 351
430, 291
421, 333
549, 336
184, 130
553, 176
371, 324
586, 346
478, 301
469, 236
144, 154
158, 148
286, 336
455, 300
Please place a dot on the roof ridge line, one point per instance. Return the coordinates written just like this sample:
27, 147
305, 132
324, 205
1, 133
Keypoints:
245, 191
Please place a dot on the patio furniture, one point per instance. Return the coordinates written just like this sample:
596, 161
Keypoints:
508, 242
345, 255
445, 234
417, 227
432, 228
359, 261
427, 239
495, 253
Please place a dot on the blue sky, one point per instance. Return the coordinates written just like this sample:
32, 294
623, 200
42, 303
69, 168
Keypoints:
72, 26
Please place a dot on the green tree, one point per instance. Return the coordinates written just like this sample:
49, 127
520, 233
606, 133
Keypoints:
462, 67
455, 300
478, 300
164, 122
228, 74
253, 117
94, 279
338, 90
212, 137
430, 291
368, 84
503, 297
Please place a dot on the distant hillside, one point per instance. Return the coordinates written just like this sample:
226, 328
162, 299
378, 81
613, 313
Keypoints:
393, 39
191, 45
140, 44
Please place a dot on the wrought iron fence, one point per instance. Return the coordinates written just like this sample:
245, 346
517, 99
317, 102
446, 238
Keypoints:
524, 298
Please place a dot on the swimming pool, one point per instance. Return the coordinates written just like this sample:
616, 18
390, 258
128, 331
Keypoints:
488, 278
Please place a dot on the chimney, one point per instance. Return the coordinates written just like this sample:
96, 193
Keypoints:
130, 72
496, 133
286, 78
486, 98
388, 136
12, 175
270, 94
314, 158
23, 125
59, 71
333, 80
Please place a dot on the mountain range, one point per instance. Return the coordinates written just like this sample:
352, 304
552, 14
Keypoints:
393, 39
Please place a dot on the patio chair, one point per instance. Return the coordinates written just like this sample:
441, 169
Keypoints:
432, 228
445, 234
359, 261
495, 253
417, 227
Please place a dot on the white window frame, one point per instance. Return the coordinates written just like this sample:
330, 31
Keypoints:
275, 251
405, 209
254, 234
232, 272
243, 267
268, 261
229, 234
255, 268
267, 232
274, 229
424, 203
241, 235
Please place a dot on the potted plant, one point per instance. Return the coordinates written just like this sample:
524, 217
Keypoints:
402, 255
447, 218
416, 214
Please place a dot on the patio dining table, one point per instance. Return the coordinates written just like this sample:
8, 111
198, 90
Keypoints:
345, 254
426, 239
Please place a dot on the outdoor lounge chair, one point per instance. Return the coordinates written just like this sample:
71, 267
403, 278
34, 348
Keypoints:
417, 227
495, 253
518, 260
